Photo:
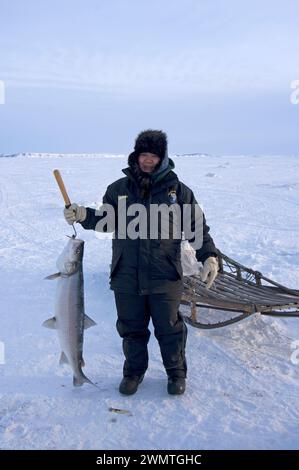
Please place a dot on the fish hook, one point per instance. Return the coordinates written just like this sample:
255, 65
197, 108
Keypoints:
74, 236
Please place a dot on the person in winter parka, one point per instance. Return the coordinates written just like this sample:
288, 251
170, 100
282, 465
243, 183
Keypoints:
146, 273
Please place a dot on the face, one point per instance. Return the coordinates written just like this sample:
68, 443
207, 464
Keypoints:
148, 161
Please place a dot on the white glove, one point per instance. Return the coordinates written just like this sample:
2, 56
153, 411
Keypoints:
210, 271
74, 213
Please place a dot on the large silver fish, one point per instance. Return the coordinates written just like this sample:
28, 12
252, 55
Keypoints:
70, 319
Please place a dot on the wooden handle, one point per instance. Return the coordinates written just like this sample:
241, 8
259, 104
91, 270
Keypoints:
62, 188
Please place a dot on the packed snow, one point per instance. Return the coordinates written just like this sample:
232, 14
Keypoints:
242, 388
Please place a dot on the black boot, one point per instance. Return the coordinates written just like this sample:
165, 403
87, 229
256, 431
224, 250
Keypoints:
176, 385
129, 384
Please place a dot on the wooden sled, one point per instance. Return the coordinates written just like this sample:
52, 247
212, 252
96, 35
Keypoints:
237, 290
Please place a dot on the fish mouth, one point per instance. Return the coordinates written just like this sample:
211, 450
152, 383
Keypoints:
76, 240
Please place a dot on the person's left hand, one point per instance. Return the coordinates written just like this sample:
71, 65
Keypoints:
210, 271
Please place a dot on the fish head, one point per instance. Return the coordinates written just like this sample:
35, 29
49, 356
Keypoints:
71, 257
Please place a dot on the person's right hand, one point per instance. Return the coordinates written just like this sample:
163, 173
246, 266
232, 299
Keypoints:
74, 213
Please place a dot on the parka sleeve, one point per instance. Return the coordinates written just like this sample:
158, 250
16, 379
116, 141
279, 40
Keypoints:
93, 216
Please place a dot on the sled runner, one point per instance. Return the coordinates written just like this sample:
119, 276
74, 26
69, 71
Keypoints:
238, 290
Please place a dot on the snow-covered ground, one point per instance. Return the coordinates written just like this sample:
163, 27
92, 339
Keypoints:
242, 389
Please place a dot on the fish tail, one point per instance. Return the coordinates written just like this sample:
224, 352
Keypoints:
80, 379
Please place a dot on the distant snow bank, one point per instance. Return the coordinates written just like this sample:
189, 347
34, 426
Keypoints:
63, 155
125, 155
89, 155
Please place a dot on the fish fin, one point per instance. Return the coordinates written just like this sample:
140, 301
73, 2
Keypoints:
63, 359
88, 322
50, 323
80, 380
53, 276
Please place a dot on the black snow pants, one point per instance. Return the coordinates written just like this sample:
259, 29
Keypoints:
134, 313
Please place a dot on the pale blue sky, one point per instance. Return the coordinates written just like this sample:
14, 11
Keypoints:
87, 76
